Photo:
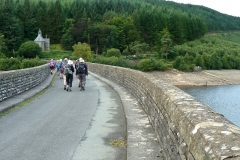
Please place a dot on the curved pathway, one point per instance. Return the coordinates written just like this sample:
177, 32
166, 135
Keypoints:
61, 125
103, 122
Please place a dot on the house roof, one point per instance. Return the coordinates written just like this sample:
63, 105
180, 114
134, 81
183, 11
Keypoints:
39, 37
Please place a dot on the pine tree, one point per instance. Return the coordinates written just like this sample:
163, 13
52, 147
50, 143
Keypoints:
25, 14
67, 38
11, 28
57, 21
166, 48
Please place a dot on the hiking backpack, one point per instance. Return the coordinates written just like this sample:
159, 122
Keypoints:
67, 70
52, 64
80, 68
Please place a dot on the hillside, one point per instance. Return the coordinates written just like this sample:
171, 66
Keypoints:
106, 24
214, 20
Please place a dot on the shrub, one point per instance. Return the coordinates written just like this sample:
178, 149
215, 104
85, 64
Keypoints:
146, 65
161, 65
181, 65
2, 55
15, 63
113, 52
10, 64
115, 61
28, 63
29, 49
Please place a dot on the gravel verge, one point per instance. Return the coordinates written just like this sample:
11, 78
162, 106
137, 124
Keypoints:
201, 78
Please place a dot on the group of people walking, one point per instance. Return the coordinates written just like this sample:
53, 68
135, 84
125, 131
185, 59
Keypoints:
66, 70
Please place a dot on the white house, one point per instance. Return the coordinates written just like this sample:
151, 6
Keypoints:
44, 43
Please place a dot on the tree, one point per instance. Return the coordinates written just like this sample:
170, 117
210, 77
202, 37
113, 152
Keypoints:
136, 48
58, 19
175, 26
2, 46
82, 50
166, 45
127, 31
11, 28
25, 14
42, 17
216, 61
102, 37
207, 60
199, 61
67, 38
29, 49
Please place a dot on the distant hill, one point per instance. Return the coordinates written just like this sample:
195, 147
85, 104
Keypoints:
214, 20
106, 24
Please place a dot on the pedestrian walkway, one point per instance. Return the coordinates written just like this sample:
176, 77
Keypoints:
141, 140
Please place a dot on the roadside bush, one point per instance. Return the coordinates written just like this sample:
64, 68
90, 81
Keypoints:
113, 52
160, 65
146, 65
115, 61
16, 63
29, 49
28, 63
10, 64
181, 65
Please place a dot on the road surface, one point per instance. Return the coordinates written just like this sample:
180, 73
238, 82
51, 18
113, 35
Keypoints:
61, 125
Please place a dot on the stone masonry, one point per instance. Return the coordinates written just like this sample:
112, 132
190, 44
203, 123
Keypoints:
186, 129
15, 82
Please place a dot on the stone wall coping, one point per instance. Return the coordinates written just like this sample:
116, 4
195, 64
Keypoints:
196, 130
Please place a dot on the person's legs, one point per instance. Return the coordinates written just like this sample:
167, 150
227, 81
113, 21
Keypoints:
82, 81
64, 81
70, 82
67, 82
78, 77
51, 68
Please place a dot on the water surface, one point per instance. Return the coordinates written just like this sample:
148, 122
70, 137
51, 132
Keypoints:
222, 99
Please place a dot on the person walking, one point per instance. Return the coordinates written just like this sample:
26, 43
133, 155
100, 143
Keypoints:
69, 70
59, 63
65, 62
81, 73
52, 65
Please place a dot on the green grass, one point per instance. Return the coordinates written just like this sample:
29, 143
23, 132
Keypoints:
117, 142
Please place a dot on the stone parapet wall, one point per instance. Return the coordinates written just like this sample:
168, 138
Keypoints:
15, 82
186, 129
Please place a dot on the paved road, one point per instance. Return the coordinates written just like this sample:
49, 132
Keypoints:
61, 125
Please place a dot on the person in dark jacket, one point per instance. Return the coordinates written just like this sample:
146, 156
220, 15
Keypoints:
69, 75
81, 73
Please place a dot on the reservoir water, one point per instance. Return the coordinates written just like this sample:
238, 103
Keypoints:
221, 99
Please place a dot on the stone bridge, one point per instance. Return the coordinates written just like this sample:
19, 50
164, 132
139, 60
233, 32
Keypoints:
186, 129
15, 82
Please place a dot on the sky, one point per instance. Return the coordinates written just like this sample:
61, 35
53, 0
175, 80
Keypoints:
229, 7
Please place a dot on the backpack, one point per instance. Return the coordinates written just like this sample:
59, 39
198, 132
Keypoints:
80, 68
59, 65
67, 70
63, 67
52, 64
